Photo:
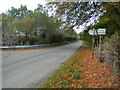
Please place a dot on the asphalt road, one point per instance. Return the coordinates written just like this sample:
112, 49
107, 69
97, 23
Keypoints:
29, 68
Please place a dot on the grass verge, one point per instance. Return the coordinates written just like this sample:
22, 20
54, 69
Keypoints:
67, 75
81, 71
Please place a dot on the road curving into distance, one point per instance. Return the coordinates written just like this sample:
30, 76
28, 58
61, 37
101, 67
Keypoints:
28, 68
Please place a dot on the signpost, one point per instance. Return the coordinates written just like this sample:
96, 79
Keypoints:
93, 32
100, 31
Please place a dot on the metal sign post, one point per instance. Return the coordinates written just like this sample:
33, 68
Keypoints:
93, 32
93, 41
101, 32
100, 47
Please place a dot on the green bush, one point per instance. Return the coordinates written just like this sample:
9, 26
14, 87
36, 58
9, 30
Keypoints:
110, 49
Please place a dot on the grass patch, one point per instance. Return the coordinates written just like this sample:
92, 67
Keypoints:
67, 75
84, 85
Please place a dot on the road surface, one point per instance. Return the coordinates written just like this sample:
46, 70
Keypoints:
28, 68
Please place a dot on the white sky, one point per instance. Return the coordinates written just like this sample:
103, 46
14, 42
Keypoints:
31, 4
80, 29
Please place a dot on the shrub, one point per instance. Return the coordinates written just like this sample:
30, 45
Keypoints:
109, 51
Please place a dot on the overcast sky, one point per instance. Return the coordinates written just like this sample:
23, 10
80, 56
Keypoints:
31, 4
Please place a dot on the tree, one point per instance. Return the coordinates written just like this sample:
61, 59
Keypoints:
24, 26
6, 34
41, 9
105, 21
75, 13
114, 10
18, 13
0, 17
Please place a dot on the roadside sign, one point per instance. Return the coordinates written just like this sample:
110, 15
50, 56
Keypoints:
92, 32
101, 31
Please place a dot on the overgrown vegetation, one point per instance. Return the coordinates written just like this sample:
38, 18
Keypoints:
110, 51
22, 27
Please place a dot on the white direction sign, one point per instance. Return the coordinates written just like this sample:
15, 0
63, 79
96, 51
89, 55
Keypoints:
92, 32
101, 31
